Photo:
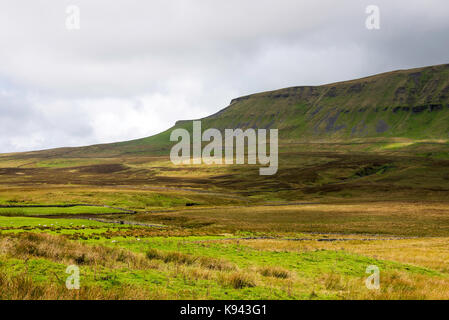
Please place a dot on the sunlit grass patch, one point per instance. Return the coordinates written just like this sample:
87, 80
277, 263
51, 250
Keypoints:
397, 145
48, 211
36, 222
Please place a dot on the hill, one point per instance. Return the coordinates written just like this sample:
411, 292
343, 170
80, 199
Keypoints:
408, 103
411, 104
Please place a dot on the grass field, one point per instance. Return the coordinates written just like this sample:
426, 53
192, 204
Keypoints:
165, 264
224, 232
53, 211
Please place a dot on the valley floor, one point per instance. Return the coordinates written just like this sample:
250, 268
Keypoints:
131, 262
155, 231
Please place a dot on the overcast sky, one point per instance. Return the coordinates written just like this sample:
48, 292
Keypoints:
135, 67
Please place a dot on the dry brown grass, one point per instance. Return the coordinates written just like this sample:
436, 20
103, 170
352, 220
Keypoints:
394, 284
195, 273
239, 280
59, 249
187, 259
276, 272
399, 285
430, 253
333, 282
388, 218
22, 287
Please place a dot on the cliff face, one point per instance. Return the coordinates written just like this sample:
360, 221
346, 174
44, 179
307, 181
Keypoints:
408, 103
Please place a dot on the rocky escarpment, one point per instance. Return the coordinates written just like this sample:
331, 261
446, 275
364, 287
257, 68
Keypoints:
405, 103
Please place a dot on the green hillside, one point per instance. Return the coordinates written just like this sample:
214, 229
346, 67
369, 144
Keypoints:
407, 103
410, 104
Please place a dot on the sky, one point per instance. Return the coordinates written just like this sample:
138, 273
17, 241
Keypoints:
83, 72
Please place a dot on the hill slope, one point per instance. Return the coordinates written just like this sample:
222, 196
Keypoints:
406, 103
411, 103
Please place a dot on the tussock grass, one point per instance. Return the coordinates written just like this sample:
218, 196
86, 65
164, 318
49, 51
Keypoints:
394, 285
196, 273
333, 281
275, 271
186, 259
182, 272
432, 253
59, 249
239, 280
22, 287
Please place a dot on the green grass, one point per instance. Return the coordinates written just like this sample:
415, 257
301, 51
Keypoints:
134, 200
65, 163
171, 279
397, 145
180, 264
307, 264
48, 211
18, 222
163, 284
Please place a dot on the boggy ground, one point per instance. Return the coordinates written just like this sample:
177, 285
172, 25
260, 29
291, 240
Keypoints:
224, 232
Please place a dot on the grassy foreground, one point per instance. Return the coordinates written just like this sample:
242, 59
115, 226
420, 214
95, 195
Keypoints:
224, 232
120, 261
